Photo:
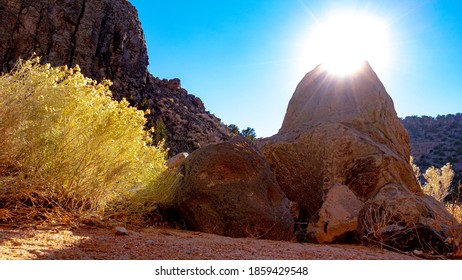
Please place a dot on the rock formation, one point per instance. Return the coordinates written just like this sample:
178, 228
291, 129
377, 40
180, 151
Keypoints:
229, 189
188, 125
340, 147
104, 37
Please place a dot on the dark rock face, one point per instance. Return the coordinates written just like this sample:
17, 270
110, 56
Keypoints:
229, 189
341, 145
104, 37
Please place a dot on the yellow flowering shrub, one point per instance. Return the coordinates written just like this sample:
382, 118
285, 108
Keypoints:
65, 135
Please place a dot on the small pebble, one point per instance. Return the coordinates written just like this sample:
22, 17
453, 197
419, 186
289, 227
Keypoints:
418, 252
121, 231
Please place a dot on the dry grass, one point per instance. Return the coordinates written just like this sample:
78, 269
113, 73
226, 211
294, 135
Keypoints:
455, 208
382, 227
438, 182
456, 211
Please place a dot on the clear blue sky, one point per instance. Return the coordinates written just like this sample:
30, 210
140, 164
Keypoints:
243, 58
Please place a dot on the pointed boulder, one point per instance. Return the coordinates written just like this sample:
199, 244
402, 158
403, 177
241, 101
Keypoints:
344, 131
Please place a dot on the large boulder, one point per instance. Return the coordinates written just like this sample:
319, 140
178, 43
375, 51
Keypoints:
105, 38
340, 144
229, 189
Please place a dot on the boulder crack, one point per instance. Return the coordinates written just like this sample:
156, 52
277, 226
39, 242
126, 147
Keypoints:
74, 38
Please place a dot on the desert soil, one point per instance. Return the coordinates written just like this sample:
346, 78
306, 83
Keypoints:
166, 244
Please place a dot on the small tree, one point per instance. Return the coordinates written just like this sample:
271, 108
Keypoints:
159, 134
249, 133
234, 129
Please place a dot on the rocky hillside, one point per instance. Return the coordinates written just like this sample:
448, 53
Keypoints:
104, 37
436, 141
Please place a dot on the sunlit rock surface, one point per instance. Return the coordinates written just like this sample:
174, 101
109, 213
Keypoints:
342, 131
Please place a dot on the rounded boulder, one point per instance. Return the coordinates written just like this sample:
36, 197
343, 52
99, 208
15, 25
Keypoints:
229, 189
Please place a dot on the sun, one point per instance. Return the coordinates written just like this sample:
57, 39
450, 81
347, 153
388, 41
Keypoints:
344, 41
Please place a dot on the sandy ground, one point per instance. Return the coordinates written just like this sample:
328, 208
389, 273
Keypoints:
167, 244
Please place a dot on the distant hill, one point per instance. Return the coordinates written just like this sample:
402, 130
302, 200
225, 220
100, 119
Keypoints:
436, 141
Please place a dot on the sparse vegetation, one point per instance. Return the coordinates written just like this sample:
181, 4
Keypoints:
455, 208
67, 145
380, 226
438, 182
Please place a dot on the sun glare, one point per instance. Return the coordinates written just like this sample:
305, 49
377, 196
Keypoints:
343, 42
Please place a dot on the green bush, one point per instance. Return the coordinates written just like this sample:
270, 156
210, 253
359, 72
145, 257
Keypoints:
159, 134
249, 133
69, 141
